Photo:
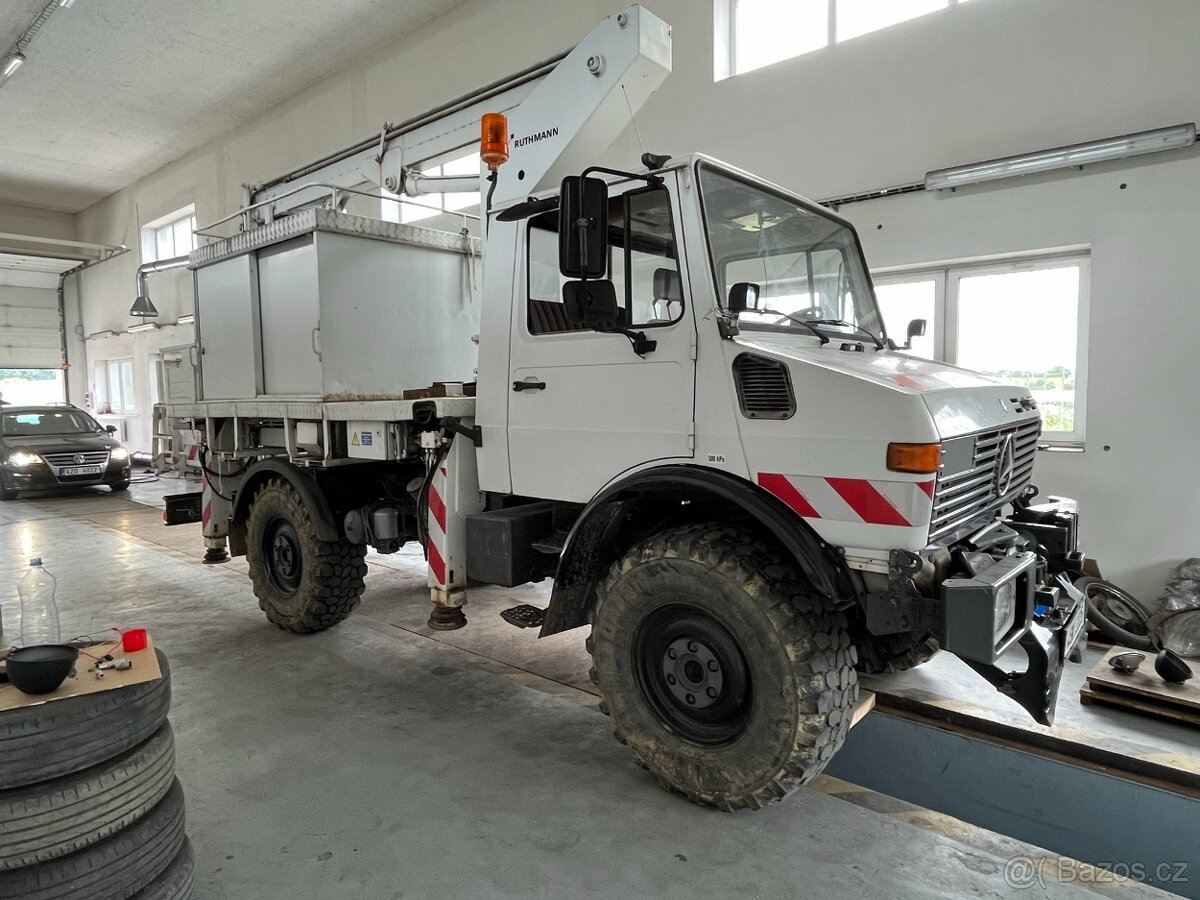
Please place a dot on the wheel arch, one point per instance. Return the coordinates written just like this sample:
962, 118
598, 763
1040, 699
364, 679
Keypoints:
633, 507
306, 486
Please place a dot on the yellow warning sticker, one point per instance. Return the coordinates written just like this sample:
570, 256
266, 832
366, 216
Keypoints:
354, 440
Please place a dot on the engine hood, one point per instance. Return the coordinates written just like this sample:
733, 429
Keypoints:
960, 401
58, 443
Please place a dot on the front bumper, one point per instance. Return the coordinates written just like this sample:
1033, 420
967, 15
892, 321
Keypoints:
40, 476
977, 627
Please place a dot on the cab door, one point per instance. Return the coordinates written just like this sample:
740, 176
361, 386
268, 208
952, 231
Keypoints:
583, 406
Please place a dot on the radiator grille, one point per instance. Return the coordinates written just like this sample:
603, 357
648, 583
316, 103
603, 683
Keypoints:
764, 388
82, 458
964, 498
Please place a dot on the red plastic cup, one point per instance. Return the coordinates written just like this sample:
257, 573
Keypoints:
133, 640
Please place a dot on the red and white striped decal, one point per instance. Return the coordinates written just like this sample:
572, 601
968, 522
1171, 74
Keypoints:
435, 546
206, 505
901, 503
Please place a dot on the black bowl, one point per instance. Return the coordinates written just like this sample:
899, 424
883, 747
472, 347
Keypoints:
40, 669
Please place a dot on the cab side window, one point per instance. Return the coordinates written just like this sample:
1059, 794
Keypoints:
642, 265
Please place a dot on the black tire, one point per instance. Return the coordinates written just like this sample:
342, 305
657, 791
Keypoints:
52, 819
303, 584
1117, 614
113, 869
119, 486
38, 743
177, 881
736, 614
892, 653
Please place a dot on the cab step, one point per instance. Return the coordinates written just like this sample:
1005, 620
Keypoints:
524, 616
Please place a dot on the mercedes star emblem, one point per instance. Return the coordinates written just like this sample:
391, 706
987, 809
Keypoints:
1006, 463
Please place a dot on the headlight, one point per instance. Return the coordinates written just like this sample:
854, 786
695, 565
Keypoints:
21, 459
120, 453
1005, 610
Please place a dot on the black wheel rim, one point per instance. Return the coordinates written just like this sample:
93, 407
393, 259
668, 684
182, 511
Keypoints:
693, 675
285, 560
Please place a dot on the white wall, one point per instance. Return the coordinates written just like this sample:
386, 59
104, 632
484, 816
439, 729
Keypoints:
38, 222
980, 80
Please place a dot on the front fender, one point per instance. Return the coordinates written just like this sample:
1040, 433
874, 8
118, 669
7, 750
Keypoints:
616, 518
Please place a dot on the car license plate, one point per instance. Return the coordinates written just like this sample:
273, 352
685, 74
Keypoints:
67, 471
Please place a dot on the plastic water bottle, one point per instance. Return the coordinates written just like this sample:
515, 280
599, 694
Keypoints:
39, 615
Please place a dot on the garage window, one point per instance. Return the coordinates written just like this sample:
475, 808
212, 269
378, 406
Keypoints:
1023, 320
751, 34
169, 236
114, 387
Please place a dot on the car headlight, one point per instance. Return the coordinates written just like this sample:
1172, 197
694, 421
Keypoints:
120, 453
1005, 610
21, 459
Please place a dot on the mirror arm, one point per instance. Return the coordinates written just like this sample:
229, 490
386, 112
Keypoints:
653, 180
641, 344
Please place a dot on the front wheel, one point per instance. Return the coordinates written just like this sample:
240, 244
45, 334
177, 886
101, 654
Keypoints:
303, 584
727, 676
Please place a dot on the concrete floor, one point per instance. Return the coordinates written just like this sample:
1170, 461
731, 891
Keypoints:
378, 760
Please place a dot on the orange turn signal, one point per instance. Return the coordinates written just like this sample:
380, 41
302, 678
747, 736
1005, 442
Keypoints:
921, 458
493, 140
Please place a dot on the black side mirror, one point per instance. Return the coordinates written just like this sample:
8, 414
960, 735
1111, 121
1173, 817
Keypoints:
111, 429
743, 296
591, 304
916, 328
583, 228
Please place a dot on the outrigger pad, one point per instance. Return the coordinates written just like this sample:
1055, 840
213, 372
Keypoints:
524, 616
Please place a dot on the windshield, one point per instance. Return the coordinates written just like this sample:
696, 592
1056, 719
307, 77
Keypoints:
46, 421
808, 266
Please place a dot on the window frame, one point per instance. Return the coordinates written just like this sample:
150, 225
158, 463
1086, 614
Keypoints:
151, 230
105, 371
947, 277
625, 255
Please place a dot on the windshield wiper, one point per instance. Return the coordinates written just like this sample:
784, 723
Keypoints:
874, 338
805, 322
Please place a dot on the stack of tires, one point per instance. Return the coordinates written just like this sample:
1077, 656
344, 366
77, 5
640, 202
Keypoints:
89, 803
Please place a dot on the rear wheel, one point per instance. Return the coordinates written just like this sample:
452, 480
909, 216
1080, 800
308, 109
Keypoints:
729, 679
303, 584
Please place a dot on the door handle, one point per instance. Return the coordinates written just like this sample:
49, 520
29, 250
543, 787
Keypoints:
529, 385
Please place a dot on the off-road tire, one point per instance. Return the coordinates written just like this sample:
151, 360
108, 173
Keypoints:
331, 576
113, 869
794, 648
52, 819
177, 881
889, 654
50, 740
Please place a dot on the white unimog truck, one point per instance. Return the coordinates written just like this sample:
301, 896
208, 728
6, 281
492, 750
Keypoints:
669, 390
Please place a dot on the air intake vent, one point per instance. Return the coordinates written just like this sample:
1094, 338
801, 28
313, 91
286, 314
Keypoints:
764, 388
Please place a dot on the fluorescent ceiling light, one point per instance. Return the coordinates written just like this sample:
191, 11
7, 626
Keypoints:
13, 64
66, 4
148, 326
185, 320
1139, 144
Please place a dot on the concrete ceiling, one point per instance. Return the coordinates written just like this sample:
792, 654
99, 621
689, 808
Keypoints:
115, 89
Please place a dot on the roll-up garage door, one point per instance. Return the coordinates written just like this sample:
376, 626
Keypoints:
29, 324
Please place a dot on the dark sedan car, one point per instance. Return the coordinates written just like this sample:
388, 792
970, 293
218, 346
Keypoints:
55, 447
